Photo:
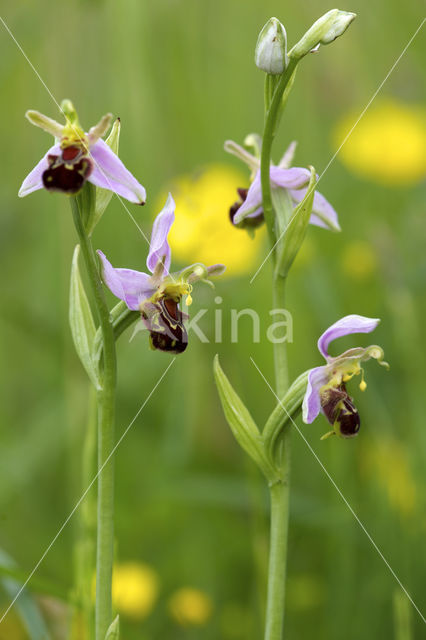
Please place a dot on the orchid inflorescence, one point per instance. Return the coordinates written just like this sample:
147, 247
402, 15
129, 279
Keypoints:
87, 168
284, 199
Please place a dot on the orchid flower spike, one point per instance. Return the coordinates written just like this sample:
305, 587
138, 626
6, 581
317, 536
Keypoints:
157, 296
247, 212
326, 390
77, 156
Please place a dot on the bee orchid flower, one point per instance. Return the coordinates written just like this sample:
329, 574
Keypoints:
326, 389
77, 157
248, 211
157, 296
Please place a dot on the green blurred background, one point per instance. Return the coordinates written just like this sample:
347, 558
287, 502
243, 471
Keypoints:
189, 505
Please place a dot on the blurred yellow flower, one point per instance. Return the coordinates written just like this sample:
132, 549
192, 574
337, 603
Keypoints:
190, 607
202, 231
134, 589
359, 260
387, 462
388, 145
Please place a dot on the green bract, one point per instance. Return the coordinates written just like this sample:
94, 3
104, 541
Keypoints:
81, 322
113, 632
262, 446
295, 229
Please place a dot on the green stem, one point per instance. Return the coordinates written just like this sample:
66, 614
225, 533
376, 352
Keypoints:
88, 519
279, 496
279, 491
272, 116
106, 412
81, 625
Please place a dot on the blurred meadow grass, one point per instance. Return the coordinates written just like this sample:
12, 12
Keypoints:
189, 506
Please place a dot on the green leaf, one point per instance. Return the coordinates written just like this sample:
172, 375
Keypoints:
103, 196
283, 414
25, 605
81, 321
113, 632
240, 421
295, 231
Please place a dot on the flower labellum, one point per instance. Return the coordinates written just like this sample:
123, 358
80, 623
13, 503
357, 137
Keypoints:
271, 48
340, 411
157, 296
67, 172
77, 157
326, 391
171, 334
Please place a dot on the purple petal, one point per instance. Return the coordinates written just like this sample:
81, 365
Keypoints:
34, 181
311, 407
343, 327
128, 285
159, 247
285, 178
252, 202
110, 173
321, 206
289, 178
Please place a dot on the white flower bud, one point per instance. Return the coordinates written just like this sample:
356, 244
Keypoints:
329, 27
271, 48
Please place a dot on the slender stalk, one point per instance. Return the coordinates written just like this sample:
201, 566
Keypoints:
106, 412
82, 622
280, 497
279, 494
279, 491
88, 519
272, 116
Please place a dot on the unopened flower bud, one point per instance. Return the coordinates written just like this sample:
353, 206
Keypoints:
271, 48
329, 27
